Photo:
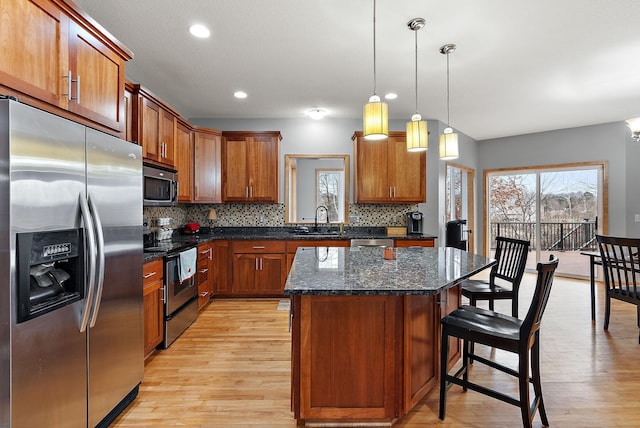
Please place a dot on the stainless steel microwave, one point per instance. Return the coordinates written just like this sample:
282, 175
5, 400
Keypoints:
160, 186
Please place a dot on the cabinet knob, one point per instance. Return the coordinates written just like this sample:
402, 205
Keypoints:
149, 275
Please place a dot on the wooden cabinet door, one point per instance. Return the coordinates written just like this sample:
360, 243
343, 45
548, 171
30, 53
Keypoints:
245, 267
221, 268
167, 138
184, 162
372, 175
150, 129
407, 172
99, 74
421, 356
236, 176
207, 167
263, 173
34, 47
152, 304
271, 274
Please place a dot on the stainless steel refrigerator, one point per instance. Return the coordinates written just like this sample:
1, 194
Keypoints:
71, 316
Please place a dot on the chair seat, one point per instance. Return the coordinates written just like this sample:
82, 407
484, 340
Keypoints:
484, 287
485, 326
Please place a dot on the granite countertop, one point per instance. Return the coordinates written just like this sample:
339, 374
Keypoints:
364, 271
276, 233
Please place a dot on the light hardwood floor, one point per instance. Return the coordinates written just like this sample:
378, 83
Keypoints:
232, 369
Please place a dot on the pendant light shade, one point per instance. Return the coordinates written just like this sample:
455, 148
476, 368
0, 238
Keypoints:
448, 139
375, 114
417, 132
448, 144
375, 124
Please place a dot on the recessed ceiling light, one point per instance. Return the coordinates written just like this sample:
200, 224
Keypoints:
240, 94
391, 96
200, 31
316, 113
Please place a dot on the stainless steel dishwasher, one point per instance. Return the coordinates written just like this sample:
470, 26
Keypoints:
382, 242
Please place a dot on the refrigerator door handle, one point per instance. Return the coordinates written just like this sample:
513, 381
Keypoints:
99, 281
90, 245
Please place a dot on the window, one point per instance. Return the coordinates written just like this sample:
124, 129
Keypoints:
556, 208
329, 193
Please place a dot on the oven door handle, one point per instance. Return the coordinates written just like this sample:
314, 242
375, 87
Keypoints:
100, 261
90, 246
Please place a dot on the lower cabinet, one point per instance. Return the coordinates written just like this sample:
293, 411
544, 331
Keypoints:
152, 289
222, 271
205, 273
259, 268
366, 358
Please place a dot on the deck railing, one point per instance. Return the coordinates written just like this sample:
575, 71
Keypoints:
554, 236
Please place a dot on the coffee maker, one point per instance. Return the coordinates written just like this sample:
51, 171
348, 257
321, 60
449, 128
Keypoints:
414, 223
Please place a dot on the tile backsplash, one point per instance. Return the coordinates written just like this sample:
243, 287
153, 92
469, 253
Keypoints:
272, 215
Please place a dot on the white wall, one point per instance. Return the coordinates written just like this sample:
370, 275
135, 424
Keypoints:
607, 142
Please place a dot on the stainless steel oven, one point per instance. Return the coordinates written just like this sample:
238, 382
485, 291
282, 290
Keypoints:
180, 297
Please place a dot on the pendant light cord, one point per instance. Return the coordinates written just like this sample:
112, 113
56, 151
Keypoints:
374, 47
448, 89
415, 33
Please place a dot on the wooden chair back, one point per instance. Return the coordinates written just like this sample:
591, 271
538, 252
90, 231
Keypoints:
621, 265
532, 320
511, 255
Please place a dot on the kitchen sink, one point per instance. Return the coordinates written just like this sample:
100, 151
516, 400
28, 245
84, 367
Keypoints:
317, 233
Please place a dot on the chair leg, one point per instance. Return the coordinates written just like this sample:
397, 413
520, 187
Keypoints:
537, 385
444, 357
523, 382
465, 362
491, 304
607, 311
514, 305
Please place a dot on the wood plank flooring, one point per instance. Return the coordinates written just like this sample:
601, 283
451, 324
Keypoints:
232, 369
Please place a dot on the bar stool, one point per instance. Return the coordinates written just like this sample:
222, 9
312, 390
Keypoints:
477, 325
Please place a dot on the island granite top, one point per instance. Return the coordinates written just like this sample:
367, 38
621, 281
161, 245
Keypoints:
365, 271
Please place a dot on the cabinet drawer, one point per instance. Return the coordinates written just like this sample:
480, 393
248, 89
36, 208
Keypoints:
152, 271
406, 243
258, 246
205, 252
203, 270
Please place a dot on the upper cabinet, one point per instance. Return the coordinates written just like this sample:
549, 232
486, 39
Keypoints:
385, 172
207, 165
57, 58
155, 128
250, 166
184, 160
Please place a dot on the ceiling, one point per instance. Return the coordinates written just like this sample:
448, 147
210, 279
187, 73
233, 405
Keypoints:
520, 66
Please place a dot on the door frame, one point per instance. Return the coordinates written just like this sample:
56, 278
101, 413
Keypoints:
471, 173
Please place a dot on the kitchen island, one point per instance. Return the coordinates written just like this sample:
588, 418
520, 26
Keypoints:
365, 330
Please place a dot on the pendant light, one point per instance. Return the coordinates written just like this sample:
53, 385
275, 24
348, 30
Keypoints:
448, 139
417, 132
375, 117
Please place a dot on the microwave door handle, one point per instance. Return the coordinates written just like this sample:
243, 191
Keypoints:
175, 195
90, 246
99, 281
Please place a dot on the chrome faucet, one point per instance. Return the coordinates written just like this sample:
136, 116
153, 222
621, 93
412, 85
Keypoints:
316, 217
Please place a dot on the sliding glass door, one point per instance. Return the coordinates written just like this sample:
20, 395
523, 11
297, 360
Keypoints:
556, 208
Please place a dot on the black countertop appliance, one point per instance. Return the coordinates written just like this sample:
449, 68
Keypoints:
414, 223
